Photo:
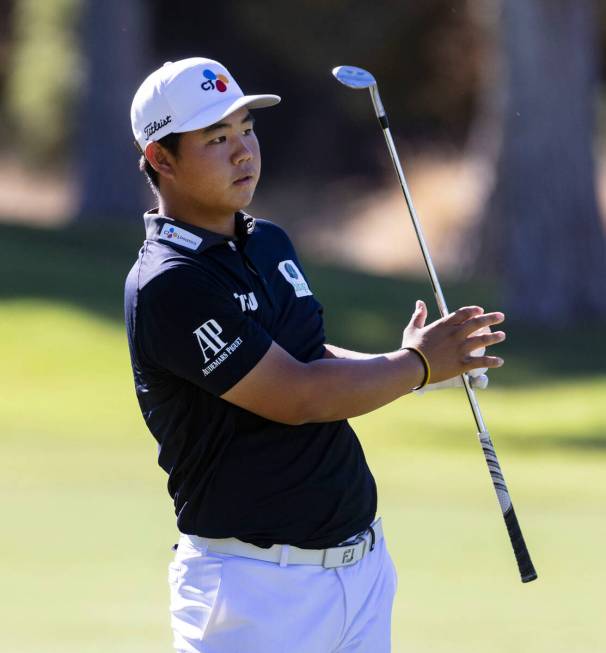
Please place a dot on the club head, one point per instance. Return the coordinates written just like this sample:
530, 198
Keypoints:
354, 77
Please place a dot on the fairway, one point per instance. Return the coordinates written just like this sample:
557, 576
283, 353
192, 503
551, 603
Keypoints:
88, 523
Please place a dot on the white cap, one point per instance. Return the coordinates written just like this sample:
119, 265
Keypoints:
186, 95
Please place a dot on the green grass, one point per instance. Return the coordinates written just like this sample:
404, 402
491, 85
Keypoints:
87, 521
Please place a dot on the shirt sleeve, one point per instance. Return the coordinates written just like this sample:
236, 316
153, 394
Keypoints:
196, 331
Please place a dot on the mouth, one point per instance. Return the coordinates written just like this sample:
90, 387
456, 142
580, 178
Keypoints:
244, 180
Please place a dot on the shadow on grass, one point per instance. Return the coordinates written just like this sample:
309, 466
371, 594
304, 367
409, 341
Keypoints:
368, 313
85, 264
590, 443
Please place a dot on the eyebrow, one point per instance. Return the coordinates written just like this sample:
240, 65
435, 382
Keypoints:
220, 125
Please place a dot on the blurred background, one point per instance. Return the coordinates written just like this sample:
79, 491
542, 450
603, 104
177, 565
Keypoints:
499, 113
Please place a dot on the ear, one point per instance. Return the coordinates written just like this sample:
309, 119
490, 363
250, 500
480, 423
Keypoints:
160, 160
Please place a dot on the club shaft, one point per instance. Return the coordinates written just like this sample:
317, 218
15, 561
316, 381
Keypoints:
435, 282
527, 571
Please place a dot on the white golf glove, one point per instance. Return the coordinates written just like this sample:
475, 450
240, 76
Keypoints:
477, 378
478, 382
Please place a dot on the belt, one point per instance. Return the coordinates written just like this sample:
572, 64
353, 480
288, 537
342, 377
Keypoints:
343, 555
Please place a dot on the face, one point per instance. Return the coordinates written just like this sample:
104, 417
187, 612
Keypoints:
217, 168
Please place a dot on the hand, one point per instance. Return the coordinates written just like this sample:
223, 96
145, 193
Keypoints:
448, 343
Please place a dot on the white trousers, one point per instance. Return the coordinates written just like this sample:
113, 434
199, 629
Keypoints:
223, 603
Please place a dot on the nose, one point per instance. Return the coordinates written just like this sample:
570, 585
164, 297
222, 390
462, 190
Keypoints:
242, 153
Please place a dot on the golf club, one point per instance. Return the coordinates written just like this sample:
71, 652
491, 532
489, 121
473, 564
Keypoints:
358, 78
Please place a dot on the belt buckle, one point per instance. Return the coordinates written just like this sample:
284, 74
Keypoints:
345, 555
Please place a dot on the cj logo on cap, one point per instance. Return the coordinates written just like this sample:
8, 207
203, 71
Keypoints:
214, 81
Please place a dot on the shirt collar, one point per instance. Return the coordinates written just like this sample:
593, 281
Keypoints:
187, 237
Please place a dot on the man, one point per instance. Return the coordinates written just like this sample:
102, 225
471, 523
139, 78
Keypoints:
280, 547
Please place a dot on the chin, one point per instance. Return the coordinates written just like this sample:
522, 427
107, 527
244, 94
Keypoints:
245, 201
238, 206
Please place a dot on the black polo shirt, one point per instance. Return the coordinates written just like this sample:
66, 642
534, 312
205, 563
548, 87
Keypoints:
201, 311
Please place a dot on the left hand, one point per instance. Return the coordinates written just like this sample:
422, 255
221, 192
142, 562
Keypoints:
478, 382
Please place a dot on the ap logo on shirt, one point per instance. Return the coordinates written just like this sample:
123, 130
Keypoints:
295, 278
208, 336
214, 348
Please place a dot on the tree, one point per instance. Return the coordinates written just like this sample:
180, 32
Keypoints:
115, 52
541, 230
42, 78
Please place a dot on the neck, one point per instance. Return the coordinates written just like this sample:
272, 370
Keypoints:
221, 222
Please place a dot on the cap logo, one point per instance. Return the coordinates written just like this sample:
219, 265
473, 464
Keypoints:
214, 81
152, 127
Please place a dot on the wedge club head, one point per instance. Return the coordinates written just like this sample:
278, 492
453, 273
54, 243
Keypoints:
354, 77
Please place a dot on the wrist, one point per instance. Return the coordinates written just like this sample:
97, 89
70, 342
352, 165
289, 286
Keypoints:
423, 366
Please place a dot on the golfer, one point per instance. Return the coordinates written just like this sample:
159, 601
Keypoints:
281, 549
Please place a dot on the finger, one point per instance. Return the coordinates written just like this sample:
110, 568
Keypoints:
480, 350
420, 314
473, 362
463, 314
478, 342
479, 322
482, 331
477, 371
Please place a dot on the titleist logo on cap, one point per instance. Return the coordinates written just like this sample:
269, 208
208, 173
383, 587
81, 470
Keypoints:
152, 127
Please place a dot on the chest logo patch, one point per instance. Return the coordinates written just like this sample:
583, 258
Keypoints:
295, 278
174, 234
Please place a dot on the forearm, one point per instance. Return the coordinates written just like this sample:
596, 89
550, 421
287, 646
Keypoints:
283, 389
338, 389
331, 351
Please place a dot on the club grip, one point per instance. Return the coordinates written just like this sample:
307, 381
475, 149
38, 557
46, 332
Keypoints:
527, 570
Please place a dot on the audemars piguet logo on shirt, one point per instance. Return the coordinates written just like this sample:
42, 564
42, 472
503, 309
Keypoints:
213, 346
295, 278
174, 234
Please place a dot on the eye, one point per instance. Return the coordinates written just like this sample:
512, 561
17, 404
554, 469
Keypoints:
248, 131
216, 141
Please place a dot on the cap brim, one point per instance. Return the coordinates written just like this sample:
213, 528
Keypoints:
211, 115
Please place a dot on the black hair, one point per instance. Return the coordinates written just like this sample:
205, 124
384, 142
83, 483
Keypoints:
169, 142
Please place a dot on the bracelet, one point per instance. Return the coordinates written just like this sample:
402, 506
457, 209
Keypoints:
425, 365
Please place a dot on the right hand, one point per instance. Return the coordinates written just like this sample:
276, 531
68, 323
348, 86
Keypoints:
448, 343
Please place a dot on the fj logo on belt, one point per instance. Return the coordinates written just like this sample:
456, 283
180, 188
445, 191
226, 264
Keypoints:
348, 556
